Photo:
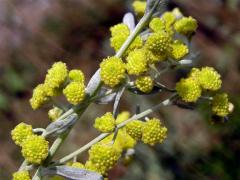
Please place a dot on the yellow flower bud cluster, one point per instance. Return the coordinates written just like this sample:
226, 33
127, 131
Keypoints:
21, 132
112, 71
206, 78
144, 83
76, 75
186, 25
39, 96
35, 149
21, 175
105, 123
179, 50
153, 132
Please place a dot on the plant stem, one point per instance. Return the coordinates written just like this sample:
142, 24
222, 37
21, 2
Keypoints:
166, 102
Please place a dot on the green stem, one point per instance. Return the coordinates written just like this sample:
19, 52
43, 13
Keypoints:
166, 102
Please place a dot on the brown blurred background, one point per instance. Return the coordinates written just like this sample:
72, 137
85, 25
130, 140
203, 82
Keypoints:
35, 33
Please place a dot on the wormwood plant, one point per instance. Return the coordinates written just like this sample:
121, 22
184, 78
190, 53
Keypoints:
160, 42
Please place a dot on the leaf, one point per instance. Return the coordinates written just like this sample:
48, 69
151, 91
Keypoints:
94, 83
107, 98
117, 99
128, 19
185, 62
71, 173
60, 126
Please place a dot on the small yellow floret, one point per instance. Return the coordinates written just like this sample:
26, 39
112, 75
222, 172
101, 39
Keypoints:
39, 97
144, 84
21, 132
186, 25
159, 42
35, 149
102, 157
21, 175
134, 129
74, 92
179, 50
153, 132
188, 89
210, 79
54, 113
139, 7
112, 71
55, 77
220, 105
105, 123
76, 75
136, 62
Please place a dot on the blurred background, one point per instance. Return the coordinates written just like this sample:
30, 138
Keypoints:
36, 33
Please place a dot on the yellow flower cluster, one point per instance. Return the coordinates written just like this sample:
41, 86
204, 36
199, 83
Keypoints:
134, 129
21, 175
55, 81
153, 132
21, 132
112, 71
35, 149
186, 25
136, 62
179, 50
105, 123
144, 84
190, 89
102, 157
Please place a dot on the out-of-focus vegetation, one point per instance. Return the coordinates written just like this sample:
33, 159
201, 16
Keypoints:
34, 34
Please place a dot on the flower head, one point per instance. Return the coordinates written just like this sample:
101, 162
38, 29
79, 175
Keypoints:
179, 50
153, 132
186, 25
39, 97
74, 92
76, 75
112, 71
21, 132
35, 149
21, 175
106, 123
134, 129
144, 84
188, 89
220, 105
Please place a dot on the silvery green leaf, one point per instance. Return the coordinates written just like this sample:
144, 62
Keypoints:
93, 83
61, 125
128, 19
185, 62
71, 173
105, 99
117, 99
155, 90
